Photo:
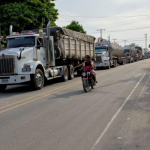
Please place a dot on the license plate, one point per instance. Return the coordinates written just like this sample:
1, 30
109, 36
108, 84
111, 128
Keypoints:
4, 80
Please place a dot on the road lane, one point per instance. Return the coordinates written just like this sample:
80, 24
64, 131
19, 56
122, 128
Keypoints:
72, 119
35, 94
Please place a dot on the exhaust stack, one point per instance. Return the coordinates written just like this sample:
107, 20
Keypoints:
50, 48
48, 43
10, 30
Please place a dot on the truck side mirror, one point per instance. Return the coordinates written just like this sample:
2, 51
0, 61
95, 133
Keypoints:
21, 49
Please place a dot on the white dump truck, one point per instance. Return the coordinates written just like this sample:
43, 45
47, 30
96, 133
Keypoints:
36, 56
108, 54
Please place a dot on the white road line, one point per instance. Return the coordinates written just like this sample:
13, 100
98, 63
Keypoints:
142, 89
116, 114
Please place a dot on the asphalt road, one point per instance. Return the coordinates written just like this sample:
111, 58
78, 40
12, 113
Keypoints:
61, 116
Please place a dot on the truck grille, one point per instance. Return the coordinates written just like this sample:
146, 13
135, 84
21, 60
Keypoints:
98, 59
7, 65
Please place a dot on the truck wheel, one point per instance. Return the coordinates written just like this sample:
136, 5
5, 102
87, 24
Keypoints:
71, 72
2, 87
123, 62
37, 80
65, 74
116, 63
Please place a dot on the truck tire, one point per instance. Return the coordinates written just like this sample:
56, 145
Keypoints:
2, 87
65, 74
115, 63
37, 80
71, 72
123, 62
130, 61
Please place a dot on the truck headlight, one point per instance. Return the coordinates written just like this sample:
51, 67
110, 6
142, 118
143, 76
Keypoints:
26, 69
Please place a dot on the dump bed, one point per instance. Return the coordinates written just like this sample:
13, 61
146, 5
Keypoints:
70, 44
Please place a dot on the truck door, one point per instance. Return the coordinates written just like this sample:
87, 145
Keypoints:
110, 52
41, 51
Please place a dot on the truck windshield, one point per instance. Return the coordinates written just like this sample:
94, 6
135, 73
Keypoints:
21, 42
126, 51
98, 49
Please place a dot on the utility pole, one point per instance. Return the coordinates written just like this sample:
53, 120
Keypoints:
114, 40
109, 38
145, 41
101, 30
125, 42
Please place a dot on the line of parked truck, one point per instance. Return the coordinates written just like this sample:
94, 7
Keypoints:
36, 56
111, 54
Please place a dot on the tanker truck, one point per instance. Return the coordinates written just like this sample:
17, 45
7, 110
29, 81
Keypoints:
35, 56
130, 53
140, 52
109, 54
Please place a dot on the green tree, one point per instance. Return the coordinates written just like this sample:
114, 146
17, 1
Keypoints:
26, 14
75, 26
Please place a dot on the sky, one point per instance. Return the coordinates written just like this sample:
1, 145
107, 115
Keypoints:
122, 19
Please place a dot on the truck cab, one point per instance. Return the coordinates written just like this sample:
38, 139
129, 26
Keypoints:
102, 56
29, 57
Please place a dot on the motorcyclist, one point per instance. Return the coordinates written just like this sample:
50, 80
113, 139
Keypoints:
88, 65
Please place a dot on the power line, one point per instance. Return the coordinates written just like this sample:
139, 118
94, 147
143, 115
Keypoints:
126, 22
101, 30
123, 23
80, 21
133, 39
111, 17
70, 20
126, 30
114, 40
129, 29
125, 41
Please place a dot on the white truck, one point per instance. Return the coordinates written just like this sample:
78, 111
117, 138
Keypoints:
108, 54
36, 56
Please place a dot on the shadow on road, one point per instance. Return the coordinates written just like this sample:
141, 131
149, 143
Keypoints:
26, 89
69, 94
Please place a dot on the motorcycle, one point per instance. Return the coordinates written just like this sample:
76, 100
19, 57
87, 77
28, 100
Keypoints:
87, 80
